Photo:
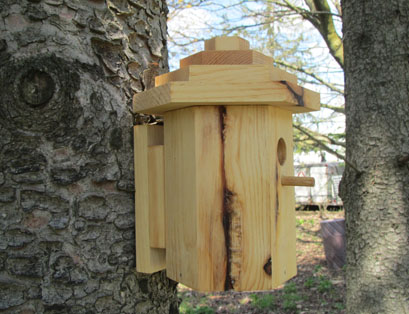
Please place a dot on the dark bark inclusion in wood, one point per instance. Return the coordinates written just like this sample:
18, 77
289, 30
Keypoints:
267, 267
299, 98
227, 210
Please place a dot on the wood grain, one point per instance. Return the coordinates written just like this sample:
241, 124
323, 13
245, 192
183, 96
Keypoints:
297, 181
227, 43
230, 57
148, 260
249, 173
156, 186
175, 95
227, 74
230, 224
195, 248
283, 256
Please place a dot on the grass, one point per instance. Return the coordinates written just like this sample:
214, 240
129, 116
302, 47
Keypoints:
186, 308
263, 302
290, 297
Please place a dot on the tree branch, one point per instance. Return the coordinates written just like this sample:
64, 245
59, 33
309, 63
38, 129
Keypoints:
328, 31
325, 147
336, 109
311, 74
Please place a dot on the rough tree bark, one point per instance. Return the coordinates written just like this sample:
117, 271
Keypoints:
376, 197
68, 69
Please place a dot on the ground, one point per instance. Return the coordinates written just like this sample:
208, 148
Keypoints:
315, 289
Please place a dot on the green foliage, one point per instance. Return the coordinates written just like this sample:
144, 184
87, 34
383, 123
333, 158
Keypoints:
265, 302
290, 297
324, 284
309, 282
317, 268
339, 306
186, 308
290, 287
300, 221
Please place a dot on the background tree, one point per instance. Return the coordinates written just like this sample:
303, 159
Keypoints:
376, 193
68, 70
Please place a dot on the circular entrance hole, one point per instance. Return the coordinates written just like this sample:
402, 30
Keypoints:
281, 151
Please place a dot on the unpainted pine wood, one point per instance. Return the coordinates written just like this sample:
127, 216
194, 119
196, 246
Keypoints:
210, 199
277, 74
194, 238
227, 57
226, 73
227, 43
250, 171
148, 260
175, 95
156, 186
283, 222
178, 75
297, 181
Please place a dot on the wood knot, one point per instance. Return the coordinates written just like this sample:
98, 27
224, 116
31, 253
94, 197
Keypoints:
36, 88
267, 267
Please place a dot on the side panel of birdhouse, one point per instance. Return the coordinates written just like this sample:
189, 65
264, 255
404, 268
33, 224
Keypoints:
148, 197
284, 238
195, 242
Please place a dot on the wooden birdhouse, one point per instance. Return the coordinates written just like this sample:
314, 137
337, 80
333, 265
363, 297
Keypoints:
214, 185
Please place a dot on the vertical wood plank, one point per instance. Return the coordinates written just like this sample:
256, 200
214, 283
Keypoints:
180, 197
250, 172
156, 186
283, 246
148, 260
195, 247
211, 236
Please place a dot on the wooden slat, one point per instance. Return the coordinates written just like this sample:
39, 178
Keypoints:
249, 165
283, 222
148, 260
227, 43
226, 57
156, 185
226, 73
175, 95
297, 181
195, 248
178, 75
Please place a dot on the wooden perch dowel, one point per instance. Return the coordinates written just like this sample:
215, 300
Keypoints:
297, 181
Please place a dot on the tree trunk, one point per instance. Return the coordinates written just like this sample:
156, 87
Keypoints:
376, 198
68, 70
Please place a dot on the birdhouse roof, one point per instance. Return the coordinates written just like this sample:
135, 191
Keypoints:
226, 73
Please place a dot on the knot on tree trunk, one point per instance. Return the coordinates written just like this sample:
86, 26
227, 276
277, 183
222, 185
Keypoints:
38, 95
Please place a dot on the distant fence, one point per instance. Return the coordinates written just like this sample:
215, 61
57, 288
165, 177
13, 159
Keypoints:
327, 178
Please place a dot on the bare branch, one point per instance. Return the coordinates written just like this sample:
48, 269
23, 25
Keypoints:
325, 147
334, 108
328, 31
311, 74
